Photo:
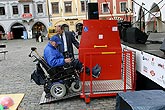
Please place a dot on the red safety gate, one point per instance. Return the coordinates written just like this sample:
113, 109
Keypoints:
100, 44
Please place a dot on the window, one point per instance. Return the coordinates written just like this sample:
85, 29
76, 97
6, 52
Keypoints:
105, 7
26, 9
68, 7
2, 11
82, 6
122, 6
15, 10
40, 8
55, 8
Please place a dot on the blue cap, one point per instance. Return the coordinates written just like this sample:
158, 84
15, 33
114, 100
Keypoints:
56, 39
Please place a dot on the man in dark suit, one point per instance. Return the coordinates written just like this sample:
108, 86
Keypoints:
68, 39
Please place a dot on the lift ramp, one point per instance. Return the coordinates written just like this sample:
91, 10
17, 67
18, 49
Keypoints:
100, 44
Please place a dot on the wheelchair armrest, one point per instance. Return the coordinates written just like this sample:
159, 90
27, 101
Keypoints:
69, 70
60, 70
45, 65
55, 70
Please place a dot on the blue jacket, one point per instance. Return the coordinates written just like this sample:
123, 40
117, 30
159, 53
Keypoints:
52, 56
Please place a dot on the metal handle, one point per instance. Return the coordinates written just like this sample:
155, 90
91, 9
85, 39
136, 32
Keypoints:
108, 52
101, 46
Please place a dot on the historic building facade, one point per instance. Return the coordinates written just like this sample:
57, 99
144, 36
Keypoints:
23, 18
69, 13
26, 18
115, 9
72, 13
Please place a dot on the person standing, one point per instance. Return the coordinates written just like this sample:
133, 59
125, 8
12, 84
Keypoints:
77, 33
37, 36
40, 39
67, 39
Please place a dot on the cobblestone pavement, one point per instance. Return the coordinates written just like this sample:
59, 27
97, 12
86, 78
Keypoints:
15, 74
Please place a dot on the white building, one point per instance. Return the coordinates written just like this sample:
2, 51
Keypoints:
23, 18
151, 14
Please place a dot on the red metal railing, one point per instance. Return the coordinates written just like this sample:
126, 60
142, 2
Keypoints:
127, 73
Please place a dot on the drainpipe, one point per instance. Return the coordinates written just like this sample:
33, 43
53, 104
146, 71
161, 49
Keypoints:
86, 9
48, 11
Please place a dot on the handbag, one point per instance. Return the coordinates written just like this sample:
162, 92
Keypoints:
38, 76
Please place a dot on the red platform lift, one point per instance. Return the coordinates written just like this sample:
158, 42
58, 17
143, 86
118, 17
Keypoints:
100, 44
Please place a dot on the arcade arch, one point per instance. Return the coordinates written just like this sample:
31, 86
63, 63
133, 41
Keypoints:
2, 32
37, 28
154, 23
18, 31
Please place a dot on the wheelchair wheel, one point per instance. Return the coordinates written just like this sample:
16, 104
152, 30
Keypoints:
58, 90
76, 86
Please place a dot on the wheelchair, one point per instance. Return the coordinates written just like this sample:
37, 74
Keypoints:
57, 81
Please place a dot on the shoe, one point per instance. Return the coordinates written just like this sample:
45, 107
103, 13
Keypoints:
96, 70
87, 70
95, 67
96, 73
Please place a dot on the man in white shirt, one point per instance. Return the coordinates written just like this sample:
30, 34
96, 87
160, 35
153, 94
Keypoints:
68, 39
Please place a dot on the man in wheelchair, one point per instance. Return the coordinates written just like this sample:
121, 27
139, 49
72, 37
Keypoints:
65, 66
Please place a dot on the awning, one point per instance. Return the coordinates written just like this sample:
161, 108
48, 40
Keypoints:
19, 26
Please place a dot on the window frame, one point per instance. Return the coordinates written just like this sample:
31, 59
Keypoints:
3, 10
40, 8
68, 9
55, 5
28, 8
83, 8
108, 4
15, 10
123, 10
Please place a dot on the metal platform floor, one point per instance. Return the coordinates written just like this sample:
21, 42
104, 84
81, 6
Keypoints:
105, 86
98, 87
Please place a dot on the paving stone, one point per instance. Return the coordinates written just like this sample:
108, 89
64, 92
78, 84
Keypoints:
15, 74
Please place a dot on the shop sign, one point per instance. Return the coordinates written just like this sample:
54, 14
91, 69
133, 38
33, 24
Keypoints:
26, 15
71, 19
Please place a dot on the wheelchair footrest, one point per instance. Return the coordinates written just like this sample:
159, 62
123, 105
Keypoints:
70, 94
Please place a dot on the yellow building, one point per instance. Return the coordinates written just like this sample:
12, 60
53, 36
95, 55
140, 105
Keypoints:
69, 13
